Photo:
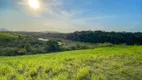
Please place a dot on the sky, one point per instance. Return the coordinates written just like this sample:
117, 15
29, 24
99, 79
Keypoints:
72, 15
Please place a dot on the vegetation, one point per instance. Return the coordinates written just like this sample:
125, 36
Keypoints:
128, 38
52, 45
4, 36
25, 45
22, 46
109, 63
110, 37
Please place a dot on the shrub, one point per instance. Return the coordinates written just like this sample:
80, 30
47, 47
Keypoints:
22, 51
28, 47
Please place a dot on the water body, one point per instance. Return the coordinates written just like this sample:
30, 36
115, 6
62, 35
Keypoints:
42, 39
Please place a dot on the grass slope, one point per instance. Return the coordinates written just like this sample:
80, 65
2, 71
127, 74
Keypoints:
110, 63
7, 36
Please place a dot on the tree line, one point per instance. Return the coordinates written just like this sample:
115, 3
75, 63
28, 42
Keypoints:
129, 38
109, 37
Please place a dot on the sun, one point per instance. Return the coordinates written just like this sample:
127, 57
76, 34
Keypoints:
33, 4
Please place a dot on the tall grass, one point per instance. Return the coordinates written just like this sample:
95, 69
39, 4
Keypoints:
109, 63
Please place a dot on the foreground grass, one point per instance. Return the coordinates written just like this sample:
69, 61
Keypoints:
110, 63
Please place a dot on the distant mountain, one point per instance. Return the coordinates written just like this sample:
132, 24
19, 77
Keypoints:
3, 29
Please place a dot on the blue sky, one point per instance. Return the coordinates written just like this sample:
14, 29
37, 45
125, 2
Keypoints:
72, 15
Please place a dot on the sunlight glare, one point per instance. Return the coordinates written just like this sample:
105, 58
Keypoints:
34, 4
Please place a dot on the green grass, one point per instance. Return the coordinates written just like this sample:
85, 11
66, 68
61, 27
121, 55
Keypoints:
7, 36
109, 63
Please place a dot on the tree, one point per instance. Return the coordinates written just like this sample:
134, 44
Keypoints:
106, 37
28, 47
52, 46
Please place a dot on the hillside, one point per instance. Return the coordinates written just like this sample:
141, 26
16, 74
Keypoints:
7, 36
109, 63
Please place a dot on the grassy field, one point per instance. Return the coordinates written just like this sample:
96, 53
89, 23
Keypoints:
7, 36
109, 63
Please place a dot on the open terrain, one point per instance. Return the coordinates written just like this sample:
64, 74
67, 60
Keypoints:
70, 40
109, 63
7, 36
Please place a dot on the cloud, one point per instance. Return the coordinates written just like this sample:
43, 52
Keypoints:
52, 16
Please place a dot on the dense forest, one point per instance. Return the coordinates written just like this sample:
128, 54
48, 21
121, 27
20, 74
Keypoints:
129, 38
24, 43
109, 37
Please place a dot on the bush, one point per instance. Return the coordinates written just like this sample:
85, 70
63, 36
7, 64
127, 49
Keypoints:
29, 48
22, 51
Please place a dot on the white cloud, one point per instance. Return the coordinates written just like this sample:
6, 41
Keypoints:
53, 16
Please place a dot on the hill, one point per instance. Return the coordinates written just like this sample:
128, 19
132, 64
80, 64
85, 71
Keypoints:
109, 63
7, 36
